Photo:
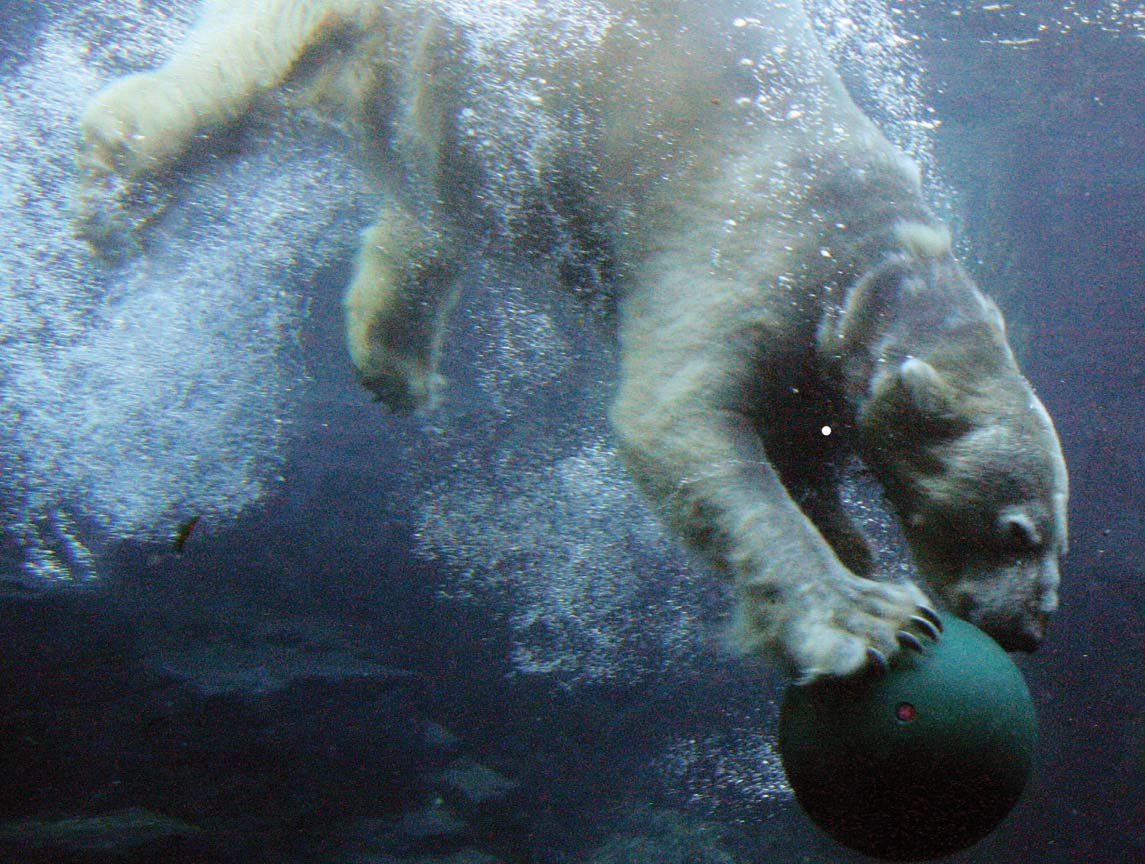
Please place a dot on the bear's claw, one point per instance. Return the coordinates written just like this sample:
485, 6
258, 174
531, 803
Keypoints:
908, 640
878, 660
929, 628
930, 616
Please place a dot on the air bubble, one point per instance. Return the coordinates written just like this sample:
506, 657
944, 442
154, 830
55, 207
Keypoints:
136, 394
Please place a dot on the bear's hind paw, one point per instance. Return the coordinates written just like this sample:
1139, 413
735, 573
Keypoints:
106, 214
404, 390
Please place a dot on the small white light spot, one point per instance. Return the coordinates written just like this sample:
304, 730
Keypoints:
826, 430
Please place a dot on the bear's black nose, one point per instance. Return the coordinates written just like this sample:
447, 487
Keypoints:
1021, 635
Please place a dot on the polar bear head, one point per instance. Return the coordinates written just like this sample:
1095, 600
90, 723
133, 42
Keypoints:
969, 458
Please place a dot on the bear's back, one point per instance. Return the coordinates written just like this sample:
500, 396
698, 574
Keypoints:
513, 93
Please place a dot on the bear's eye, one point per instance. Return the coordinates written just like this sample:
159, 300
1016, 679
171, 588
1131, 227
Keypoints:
1018, 532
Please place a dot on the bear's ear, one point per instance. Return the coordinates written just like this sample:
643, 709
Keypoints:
1017, 528
925, 387
925, 399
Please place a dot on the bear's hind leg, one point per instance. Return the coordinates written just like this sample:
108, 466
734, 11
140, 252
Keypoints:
823, 507
141, 125
811, 469
396, 308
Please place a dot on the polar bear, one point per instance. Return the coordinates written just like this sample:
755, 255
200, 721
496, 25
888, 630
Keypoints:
784, 294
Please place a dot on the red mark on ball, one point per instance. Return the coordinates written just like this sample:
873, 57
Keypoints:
905, 712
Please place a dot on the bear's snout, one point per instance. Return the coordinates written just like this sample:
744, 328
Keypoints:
1020, 632
990, 604
1023, 634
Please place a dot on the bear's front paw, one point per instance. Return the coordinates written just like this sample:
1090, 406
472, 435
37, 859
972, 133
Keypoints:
840, 626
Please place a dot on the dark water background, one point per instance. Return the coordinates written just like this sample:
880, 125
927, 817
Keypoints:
280, 684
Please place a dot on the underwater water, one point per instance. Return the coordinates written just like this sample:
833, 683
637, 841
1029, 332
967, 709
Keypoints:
365, 611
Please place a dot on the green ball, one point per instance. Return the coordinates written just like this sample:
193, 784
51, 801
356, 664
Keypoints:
919, 762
